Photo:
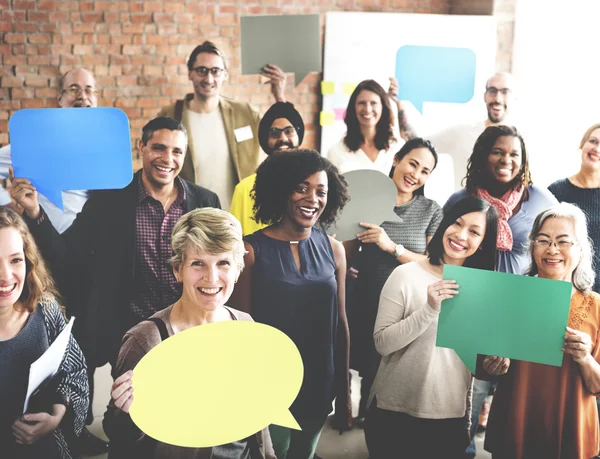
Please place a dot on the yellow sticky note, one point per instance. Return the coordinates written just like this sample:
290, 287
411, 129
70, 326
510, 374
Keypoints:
349, 88
327, 118
327, 87
217, 383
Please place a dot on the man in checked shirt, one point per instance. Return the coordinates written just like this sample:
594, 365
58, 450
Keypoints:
112, 264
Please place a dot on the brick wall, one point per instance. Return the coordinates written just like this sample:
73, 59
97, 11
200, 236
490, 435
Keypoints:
138, 49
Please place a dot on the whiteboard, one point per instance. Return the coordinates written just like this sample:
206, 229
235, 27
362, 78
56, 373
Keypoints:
360, 46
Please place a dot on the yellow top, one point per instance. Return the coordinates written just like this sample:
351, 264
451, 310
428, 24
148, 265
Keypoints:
242, 206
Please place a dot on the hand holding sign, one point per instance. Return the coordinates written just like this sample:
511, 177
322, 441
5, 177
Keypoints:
507, 315
60, 149
187, 391
372, 199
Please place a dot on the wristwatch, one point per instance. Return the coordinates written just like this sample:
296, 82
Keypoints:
398, 251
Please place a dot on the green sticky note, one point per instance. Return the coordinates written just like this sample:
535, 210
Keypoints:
349, 88
327, 118
327, 87
506, 315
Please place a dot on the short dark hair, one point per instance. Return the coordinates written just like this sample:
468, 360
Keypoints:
206, 47
410, 145
384, 134
485, 256
162, 122
477, 176
279, 175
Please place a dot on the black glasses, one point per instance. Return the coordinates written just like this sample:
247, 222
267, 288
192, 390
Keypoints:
494, 91
289, 131
74, 91
203, 71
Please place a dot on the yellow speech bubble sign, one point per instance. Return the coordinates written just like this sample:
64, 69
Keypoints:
217, 383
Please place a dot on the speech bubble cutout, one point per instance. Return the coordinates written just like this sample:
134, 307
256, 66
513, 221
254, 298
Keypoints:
435, 74
372, 200
71, 149
505, 315
217, 383
292, 42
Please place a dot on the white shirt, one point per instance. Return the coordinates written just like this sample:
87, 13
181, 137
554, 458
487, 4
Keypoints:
415, 376
458, 141
212, 160
346, 160
73, 200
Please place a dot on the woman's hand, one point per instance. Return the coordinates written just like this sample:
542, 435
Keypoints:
376, 235
496, 365
439, 291
34, 426
122, 391
578, 344
393, 89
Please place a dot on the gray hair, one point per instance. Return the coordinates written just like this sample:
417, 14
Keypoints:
210, 230
584, 275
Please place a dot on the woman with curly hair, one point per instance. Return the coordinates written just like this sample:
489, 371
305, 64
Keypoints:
294, 281
498, 171
369, 142
30, 320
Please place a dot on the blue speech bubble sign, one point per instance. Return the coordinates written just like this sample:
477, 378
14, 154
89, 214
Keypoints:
71, 149
435, 74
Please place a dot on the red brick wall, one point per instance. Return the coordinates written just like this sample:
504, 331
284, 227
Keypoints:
138, 49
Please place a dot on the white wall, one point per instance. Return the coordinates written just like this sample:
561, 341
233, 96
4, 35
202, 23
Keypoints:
556, 61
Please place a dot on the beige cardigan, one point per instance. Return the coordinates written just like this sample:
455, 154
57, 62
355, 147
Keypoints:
245, 155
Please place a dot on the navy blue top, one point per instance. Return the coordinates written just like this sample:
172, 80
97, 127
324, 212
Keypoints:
303, 305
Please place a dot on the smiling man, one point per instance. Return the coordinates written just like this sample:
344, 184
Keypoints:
112, 264
458, 140
280, 129
223, 146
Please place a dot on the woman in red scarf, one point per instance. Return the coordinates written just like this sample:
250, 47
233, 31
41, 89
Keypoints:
498, 171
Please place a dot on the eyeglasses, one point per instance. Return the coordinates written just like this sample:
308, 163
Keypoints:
546, 243
289, 131
75, 90
203, 71
492, 91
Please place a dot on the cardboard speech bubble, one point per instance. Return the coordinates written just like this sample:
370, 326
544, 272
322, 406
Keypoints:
292, 42
71, 149
435, 74
217, 383
372, 200
505, 315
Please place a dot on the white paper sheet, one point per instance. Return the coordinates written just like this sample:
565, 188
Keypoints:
47, 365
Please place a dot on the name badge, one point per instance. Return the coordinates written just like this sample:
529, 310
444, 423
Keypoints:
243, 133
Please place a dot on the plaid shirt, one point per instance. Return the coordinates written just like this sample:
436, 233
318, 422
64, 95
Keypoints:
155, 285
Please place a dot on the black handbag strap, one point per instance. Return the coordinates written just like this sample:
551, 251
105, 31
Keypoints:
162, 327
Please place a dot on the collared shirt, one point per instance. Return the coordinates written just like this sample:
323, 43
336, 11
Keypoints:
155, 285
73, 200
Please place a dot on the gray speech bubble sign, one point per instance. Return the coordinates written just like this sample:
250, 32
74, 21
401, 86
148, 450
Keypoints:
372, 200
292, 42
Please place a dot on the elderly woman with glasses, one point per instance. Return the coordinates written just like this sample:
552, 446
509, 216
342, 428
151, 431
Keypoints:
542, 410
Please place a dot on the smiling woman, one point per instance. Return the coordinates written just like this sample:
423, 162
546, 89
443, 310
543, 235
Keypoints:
209, 256
294, 281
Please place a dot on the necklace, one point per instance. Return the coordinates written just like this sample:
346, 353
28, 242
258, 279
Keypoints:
170, 196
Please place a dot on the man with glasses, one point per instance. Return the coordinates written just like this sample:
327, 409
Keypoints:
76, 88
223, 147
458, 140
280, 129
